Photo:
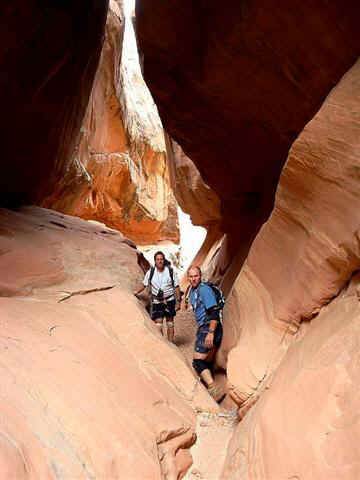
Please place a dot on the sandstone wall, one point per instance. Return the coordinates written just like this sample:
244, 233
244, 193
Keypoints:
200, 202
236, 85
192, 194
119, 172
304, 256
89, 388
305, 424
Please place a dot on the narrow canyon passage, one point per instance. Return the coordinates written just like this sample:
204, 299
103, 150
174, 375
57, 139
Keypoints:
121, 117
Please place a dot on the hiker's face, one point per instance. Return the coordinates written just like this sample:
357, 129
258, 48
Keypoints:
194, 277
159, 262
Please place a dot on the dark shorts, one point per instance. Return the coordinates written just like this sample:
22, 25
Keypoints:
201, 335
160, 310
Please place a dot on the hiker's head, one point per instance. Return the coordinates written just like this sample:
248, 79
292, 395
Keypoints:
194, 276
159, 259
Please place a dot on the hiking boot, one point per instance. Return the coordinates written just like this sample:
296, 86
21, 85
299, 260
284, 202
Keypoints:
217, 393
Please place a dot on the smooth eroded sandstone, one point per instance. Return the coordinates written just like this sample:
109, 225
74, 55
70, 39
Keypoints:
302, 260
305, 424
89, 388
309, 248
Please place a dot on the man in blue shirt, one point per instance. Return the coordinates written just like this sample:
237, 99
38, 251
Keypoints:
209, 332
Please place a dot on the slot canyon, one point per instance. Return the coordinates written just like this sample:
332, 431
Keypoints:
246, 116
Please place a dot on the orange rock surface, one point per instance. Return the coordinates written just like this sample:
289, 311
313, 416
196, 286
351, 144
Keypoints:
89, 388
119, 173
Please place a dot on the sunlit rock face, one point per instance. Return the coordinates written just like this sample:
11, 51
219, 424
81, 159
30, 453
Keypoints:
49, 56
302, 260
236, 85
90, 389
119, 173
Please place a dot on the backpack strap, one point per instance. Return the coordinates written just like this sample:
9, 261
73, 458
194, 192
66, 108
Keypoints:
171, 272
198, 297
152, 271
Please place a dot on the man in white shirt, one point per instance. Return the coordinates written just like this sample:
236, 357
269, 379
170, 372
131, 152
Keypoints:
164, 291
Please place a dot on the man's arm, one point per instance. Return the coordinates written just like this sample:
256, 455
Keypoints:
139, 290
209, 300
209, 339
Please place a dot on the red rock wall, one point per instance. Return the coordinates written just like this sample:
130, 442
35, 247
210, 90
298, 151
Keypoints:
192, 194
200, 202
119, 172
236, 85
48, 60
303, 258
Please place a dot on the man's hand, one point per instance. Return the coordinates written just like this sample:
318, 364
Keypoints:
177, 306
209, 340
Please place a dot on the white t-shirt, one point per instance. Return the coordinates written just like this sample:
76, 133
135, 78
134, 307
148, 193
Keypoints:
162, 280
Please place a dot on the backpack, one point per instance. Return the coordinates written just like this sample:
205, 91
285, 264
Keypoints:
219, 295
